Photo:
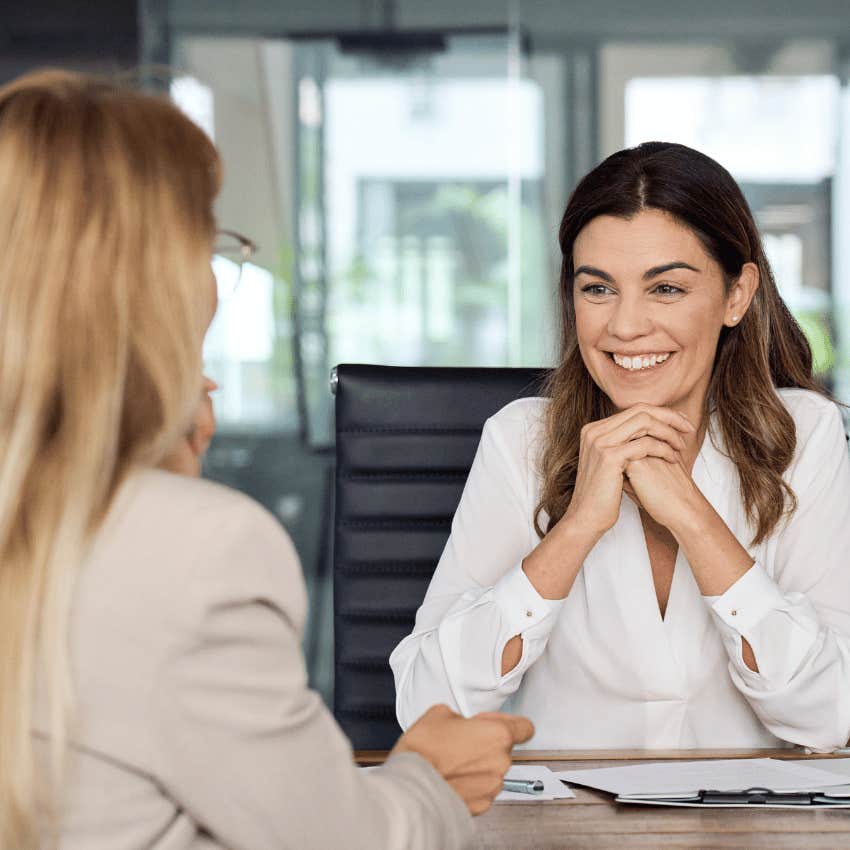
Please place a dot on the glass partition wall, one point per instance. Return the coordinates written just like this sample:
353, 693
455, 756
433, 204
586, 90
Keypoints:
419, 222
773, 116
405, 187
396, 189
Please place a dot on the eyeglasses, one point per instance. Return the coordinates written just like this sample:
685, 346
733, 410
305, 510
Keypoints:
230, 253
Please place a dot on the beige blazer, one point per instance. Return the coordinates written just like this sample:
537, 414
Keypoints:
194, 726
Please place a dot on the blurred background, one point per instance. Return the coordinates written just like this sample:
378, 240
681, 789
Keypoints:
404, 165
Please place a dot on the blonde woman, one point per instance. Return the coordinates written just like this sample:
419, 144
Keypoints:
654, 554
152, 691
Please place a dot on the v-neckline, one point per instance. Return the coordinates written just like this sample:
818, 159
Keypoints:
665, 620
662, 614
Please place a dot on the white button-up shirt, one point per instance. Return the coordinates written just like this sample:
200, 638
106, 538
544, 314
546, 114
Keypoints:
601, 668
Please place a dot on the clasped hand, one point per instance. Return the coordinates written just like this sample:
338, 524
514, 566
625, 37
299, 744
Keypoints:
643, 451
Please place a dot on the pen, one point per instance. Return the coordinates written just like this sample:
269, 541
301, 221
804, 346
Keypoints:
523, 786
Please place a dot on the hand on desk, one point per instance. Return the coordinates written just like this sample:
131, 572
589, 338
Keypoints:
472, 754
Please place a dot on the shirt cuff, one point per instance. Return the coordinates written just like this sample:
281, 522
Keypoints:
522, 607
748, 601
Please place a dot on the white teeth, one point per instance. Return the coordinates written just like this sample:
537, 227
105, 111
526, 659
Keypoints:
640, 361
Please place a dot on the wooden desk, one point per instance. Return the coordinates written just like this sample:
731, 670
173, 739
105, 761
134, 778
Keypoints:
594, 821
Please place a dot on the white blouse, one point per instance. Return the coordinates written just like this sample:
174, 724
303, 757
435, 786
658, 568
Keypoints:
601, 668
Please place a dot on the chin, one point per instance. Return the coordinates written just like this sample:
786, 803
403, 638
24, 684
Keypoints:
658, 394
622, 400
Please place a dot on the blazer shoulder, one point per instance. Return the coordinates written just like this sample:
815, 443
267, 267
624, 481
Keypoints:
170, 528
156, 496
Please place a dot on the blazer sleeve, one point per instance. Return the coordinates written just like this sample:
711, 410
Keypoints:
246, 748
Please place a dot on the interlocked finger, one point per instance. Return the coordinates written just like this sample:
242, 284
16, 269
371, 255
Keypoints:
643, 425
646, 447
600, 430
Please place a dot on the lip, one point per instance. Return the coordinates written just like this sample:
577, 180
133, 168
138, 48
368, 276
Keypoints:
650, 370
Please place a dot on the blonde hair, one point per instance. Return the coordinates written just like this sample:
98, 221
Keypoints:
105, 293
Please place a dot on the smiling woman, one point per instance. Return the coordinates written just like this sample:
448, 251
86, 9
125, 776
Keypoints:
668, 314
652, 555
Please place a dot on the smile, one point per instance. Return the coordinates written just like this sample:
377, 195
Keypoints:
641, 362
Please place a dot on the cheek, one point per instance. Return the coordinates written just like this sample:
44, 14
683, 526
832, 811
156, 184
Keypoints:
697, 328
590, 322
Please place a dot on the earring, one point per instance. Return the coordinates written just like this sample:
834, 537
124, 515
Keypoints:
734, 320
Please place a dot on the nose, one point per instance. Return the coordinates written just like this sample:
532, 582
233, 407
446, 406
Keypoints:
629, 319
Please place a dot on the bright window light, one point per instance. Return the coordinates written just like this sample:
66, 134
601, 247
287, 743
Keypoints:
762, 129
196, 100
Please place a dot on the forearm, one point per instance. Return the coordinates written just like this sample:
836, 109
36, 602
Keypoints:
555, 562
552, 568
716, 557
421, 809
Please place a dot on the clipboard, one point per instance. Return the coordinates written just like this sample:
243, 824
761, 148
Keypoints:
722, 783
748, 798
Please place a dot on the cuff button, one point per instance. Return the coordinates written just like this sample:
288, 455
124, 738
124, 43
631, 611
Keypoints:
734, 612
529, 614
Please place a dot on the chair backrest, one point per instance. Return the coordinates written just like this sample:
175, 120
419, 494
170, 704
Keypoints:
405, 440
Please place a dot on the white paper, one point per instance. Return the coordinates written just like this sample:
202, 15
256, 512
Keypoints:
681, 778
641, 801
553, 788
839, 766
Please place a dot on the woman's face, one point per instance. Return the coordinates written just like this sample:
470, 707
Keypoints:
650, 304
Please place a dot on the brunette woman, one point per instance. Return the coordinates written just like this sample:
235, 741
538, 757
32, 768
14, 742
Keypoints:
656, 553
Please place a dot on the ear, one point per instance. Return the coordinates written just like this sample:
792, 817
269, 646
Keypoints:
741, 294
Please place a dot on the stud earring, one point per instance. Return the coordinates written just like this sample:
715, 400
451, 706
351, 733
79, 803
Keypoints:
734, 320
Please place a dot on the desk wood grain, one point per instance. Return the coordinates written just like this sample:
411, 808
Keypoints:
593, 821
366, 757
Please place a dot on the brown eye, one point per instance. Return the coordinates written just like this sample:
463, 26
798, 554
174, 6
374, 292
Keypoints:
668, 289
596, 289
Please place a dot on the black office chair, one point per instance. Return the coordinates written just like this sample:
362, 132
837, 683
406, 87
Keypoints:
405, 439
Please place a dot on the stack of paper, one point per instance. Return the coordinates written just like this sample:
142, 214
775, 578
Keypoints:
678, 782
553, 788
840, 768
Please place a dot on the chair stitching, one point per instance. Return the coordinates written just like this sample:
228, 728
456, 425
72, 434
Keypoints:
420, 430
400, 476
378, 711
393, 616
366, 664
393, 525
389, 569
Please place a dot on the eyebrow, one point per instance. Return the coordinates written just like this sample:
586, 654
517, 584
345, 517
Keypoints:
666, 267
594, 272
647, 275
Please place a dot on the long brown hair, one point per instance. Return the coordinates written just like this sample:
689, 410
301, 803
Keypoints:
766, 350
106, 228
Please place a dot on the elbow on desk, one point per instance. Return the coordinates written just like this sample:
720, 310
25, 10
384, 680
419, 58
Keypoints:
814, 739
